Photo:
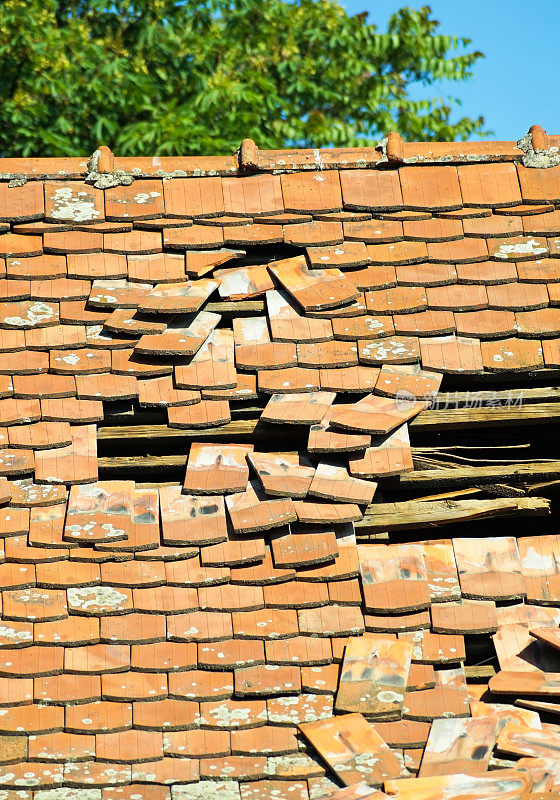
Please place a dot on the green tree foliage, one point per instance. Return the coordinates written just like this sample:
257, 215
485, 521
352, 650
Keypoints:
197, 76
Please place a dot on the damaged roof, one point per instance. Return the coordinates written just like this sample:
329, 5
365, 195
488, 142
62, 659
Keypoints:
290, 316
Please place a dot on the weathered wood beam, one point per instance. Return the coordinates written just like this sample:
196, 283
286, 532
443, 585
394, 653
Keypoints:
537, 471
431, 419
414, 514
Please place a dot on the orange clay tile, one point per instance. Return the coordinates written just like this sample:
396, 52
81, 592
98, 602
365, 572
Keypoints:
432, 188
315, 513
327, 354
299, 546
18, 411
288, 325
539, 186
543, 224
345, 255
17, 245
195, 237
76, 463
207, 413
28, 314
323, 438
40, 435
376, 415
139, 200
212, 366
21, 203
485, 324
441, 570
251, 511
333, 482
389, 350
311, 191
157, 268
236, 551
424, 323
465, 616
127, 362
134, 242
69, 288
177, 339
348, 379
106, 387
373, 677
195, 197
539, 271
117, 293
461, 251
175, 298
398, 380
24, 362
512, 354
245, 389
488, 272
71, 409
378, 276
517, 248
283, 474
295, 409
459, 297
489, 185
459, 745
387, 455
374, 231
489, 568
370, 189
394, 577
434, 648
362, 327
73, 202
518, 651
433, 230
36, 268
309, 234
303, 650
313, 289
355, 308
84, 266
401, 252
451, 354
538, 558
401, 299
285, 381
494, 226
242, 283
217, 469
426, 274
253, 195
348, 743
201, 262
83, 361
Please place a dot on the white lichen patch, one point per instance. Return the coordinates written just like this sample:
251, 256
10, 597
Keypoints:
96, 597
73, 207
37, 314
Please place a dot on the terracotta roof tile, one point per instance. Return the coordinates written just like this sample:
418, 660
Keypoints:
311, 191
127, 620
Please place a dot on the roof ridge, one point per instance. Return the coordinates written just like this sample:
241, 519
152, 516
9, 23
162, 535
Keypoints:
536, 149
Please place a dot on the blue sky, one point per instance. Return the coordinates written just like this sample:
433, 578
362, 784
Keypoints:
518, 83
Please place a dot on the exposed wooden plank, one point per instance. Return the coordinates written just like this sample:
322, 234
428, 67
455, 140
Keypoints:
458, 476
467, 476
479, 672
431, 419
412, 514
456, 418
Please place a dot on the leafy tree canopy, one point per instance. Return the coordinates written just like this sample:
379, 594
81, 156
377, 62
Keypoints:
197, 76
